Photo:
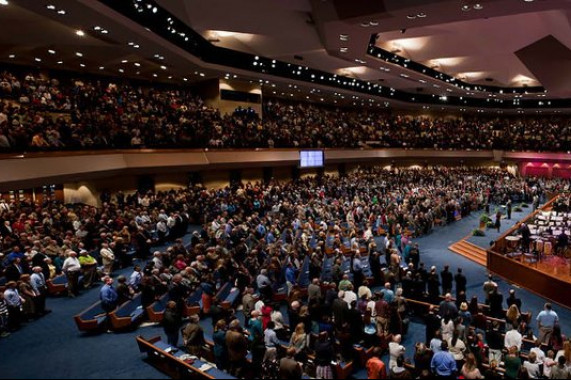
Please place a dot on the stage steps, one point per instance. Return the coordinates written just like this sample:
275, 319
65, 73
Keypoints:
470, 251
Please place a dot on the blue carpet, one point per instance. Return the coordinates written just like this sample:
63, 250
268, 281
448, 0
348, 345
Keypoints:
52, 347
491, 233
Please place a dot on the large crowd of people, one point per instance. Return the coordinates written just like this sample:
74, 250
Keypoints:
39, 113
258, 237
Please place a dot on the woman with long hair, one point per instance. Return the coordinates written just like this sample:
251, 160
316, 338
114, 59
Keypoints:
470, 369
299, 342
513, 315
557, 338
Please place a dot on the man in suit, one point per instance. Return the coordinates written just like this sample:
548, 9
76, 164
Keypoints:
496, 301
339, 309
447, 280
461, 282
289, 368
14, 270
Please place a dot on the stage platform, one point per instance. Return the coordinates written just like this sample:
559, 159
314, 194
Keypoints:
549, 277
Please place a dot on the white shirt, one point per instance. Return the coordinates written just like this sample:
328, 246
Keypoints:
395, 350
513, 338
538, 353
458, 350
107, 255
532, 369
447, 330
71, 264
350, 296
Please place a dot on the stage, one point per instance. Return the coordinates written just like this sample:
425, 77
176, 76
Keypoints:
542, 271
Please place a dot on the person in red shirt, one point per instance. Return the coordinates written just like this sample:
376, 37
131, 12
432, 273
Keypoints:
376, 369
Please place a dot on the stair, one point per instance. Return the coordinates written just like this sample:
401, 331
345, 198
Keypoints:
470, 251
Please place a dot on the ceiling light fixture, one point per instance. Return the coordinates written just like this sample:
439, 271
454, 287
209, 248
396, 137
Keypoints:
82, 65
61, 12
38, 59
466, 8
421, 15
60, 62
80, 33
3, 2
51, 7
101, 68
79, 54
163, 67
51, 51
374, 23
411, 17
478, 7
11, 56
344, 37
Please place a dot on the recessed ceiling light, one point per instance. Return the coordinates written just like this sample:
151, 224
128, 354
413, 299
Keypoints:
80, 33
155, 75
343, 37
104, 31
202, 74
11, 56
121, 70
3, 2
421, 15
185, 79
38, 59
82, 65
97, 28
411, 17
101, 68
478, 7
137, 64
466, 8
60, 62
374, 23
343, 49
61, 12
125, 61
170, 77
136, 46
79, 54
51, 51
163, 67
51, 7
155, 10
365, 24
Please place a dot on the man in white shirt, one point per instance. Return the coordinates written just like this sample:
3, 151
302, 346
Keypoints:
157, 260
38, 282
72, 268
350, 296
513, 338
395, 350
107, 257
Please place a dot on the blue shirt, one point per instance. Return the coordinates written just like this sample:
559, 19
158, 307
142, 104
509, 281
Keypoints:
108, 294
389, 295
443, 364
547, 318
135, 279
271, 339
12, 298
290, 275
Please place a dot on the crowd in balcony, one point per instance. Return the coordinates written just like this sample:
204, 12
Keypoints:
260, 238
38, 113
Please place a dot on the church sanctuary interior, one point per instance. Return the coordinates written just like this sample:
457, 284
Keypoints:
285, 189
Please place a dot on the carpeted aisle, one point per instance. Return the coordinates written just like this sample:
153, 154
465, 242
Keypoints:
53, 348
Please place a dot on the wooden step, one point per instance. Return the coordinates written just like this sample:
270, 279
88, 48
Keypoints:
470, 251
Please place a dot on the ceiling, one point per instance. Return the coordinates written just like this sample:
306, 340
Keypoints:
473, 45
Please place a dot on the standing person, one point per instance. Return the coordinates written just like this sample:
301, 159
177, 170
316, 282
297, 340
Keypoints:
107, 257
172, 322
546, 321
220, 349
509, 209
324, 355
447, 280
193, 336
498, 220
40, 288
108, 295
72, 268
289, 368
443, 364
14, 303
461, 282
395, 351
3, 316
